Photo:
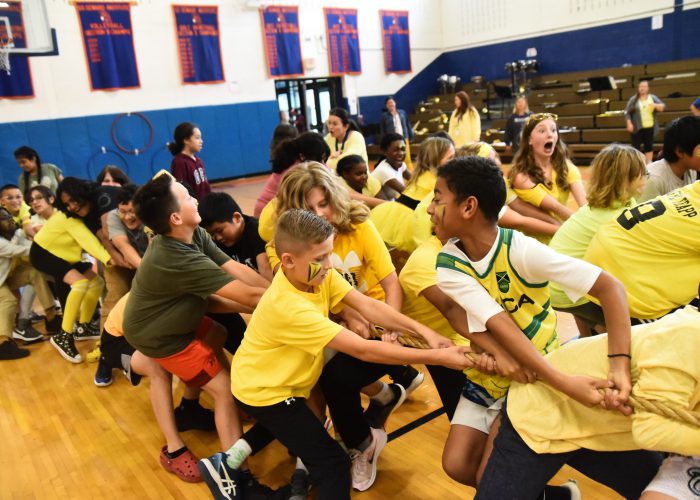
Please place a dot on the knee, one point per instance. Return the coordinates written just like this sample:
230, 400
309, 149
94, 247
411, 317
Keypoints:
457, 468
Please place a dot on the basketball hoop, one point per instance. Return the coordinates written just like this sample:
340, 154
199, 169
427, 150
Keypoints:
5, 56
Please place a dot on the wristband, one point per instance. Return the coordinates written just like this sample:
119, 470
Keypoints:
620, 356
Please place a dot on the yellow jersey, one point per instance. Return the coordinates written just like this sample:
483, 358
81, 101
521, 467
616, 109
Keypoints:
654, 249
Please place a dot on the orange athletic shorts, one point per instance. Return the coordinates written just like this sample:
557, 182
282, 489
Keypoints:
197, 363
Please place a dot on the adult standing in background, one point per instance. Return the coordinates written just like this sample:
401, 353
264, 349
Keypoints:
465, 123
640, 114
344, 137
395, 121
516, 122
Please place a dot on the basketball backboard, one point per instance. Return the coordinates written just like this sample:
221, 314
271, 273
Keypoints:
25, 28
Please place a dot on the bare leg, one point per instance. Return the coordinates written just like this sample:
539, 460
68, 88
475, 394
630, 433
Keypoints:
488, 448
228, 424
463, 452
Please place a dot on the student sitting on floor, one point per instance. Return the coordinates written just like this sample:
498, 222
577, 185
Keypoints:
290, 330
500, 277
542, 429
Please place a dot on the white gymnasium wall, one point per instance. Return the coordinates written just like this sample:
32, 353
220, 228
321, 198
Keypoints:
62, 84
471, 23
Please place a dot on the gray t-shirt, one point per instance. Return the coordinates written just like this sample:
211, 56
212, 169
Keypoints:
49, 178
662, 180
137, 238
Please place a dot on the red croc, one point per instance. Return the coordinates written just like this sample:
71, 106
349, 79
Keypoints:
183, 466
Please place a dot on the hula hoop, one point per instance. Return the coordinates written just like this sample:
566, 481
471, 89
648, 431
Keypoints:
135, 151
103, 151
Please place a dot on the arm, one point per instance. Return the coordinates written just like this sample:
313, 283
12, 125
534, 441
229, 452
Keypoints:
129, 253
264, 266
241, 293
527, 210
396, 185
392, 290
659, 105
367, 200
87, 241
385, 352
513, 219
218, 304
245, 274
9, 250
552, 205
579, 193
115, 256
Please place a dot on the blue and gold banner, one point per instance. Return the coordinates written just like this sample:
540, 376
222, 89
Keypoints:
343, 41
109, 45
16, 81
397, 43
280, 27
199, 43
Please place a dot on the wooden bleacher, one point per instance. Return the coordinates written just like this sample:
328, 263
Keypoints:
588, 120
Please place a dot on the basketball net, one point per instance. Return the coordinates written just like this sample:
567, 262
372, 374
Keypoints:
5, 56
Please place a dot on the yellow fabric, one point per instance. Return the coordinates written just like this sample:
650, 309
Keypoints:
23, 216
394, 221
359, 256
73, 303
417, 276
67, 237
665, 368
92, 296
528, 304
371, 188
422, 228
424, 185
115, 320
466, 130
268, 221
354, 145
657, 257
535, 195
281, 355
646, 110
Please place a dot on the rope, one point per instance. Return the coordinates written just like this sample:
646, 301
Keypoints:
639, 404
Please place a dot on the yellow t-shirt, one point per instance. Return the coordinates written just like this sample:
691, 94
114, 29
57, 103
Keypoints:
466, 130
422, 227
115, 321
418, 275
268, 221
371, 188
654, 249
354, 145
535, 195
67, 237
23, 216
281, 355
424, 185
664, 368
646, 110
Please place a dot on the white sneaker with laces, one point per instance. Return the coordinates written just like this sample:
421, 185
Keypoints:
364, 463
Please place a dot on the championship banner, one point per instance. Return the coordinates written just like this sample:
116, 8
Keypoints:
397, 44
280, 26
343, 41
199, 43
16, 78
109, 45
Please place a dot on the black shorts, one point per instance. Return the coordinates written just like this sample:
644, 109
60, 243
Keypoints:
643, 140
112, 348
56, 267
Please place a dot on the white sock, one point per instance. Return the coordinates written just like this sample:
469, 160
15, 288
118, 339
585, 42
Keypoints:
384, 396
237, 453
300, 465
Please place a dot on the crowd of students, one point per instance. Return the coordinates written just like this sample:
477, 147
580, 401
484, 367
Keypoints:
342, 267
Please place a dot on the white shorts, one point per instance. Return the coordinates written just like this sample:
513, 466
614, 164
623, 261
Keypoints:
476, 416
678, 477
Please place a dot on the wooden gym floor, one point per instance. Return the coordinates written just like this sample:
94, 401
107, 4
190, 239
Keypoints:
63, 437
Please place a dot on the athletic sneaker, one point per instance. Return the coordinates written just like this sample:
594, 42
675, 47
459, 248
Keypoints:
194, 417
410, 379
65, 345
103, 375
86, 331
300, 485
254, 490
572, 486
25, 331
224, 482
9, 350
36, 318
377, 413
364, 463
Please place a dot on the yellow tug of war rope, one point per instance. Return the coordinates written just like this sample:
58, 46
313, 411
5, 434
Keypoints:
639, 404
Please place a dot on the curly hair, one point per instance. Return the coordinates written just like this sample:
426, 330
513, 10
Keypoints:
346, 212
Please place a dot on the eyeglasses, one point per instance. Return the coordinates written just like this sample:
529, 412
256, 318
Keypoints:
538, 117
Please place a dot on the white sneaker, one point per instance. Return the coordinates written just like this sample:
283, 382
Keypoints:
572, 486
364, 463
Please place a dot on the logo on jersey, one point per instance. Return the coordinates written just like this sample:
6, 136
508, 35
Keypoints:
694, 481
503, 281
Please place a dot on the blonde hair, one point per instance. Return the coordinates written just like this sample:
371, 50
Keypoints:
483, 149
302, 179
298, 229
527, 106
432, 151
613, 173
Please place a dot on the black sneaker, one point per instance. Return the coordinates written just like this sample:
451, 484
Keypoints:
299, 485
410, 379
65, 345
54, 325
377, 414
194, 417
36, 318
9, 350
86, 331
224, 482
25, 331
254, 490
103, 375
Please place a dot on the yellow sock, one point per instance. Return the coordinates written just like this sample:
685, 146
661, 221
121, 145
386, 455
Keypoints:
92, 296
75, 298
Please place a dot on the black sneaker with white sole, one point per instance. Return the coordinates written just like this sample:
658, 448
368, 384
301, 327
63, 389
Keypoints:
410, 379
300, 485
25, 331
65, 345
86, 331
377, 413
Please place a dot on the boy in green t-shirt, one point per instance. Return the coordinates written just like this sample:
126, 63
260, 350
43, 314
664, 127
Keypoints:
289, 330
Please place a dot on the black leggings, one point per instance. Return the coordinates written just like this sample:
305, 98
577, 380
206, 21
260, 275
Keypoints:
48, 263
515, 472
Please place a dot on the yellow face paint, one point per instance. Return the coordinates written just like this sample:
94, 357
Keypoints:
314, 269
439, 211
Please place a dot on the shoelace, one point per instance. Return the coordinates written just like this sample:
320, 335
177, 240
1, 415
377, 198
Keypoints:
360, 463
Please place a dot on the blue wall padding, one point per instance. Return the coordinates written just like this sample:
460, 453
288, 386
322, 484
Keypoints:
236, 141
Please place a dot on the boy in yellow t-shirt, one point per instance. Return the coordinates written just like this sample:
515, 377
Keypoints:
289, 331
542, 429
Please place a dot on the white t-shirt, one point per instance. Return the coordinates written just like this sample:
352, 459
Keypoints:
662, 180
533, 261
385, 172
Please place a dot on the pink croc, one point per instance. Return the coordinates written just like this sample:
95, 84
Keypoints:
183, 466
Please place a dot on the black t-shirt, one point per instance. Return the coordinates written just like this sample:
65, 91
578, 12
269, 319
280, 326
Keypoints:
106, 201
249, 246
